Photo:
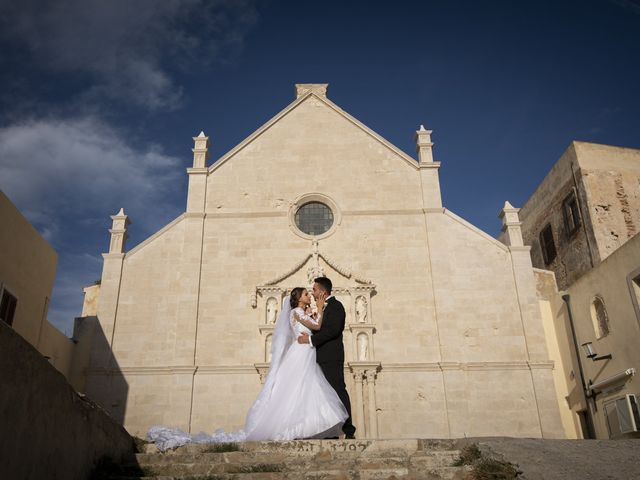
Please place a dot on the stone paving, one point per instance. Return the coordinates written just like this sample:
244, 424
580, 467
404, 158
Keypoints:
540, 459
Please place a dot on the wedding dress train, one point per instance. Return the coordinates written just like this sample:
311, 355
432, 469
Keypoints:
295, 402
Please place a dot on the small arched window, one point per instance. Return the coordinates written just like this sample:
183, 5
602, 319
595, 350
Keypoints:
599, 317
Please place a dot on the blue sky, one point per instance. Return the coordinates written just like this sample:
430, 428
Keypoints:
99, 100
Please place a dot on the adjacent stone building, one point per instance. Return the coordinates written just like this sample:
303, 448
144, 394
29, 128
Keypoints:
582, 223
27, 272
444, 334
585, 208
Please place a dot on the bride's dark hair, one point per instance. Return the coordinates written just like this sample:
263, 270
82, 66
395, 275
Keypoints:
296, 293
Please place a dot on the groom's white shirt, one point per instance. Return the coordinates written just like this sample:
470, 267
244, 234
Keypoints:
325, 302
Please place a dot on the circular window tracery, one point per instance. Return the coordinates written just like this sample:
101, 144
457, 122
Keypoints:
314, 218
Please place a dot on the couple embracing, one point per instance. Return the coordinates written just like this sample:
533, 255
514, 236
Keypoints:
304, 394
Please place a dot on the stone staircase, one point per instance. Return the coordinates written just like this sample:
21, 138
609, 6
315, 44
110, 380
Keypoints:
304, 459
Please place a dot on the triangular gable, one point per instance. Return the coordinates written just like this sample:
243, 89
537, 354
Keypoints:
231, 153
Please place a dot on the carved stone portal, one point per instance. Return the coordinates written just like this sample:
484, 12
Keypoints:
355, 293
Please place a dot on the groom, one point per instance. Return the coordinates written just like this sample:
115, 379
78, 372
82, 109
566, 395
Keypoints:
328, 344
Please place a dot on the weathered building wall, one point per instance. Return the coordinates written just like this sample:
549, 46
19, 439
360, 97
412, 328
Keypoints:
575, 252
611, 177
606, 182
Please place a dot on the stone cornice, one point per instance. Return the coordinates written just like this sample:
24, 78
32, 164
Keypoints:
388, 367
364, 365
412, 211
267, 327
226, 369
247, 215
117, 256
159, 370
467, 366
198, 171
425, 166
350, 213
359, 327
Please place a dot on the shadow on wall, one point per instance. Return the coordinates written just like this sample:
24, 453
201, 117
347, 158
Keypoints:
49, 430
104, 382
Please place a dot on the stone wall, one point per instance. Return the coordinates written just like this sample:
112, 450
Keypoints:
27, 271
48, 430
452, 312
561, 351
616, 281
605, 182
611, 176
576, 252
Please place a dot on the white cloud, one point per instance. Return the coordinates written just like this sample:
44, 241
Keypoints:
82, 169
125, 47
67, 177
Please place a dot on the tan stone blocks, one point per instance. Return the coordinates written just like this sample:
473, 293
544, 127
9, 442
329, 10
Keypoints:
440, 292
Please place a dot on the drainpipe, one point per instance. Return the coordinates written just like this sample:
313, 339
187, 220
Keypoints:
566, 297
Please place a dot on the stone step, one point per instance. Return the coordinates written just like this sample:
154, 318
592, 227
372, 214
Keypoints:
314, 459
430, 457
444, 473
220, 463
310, 447
245, 476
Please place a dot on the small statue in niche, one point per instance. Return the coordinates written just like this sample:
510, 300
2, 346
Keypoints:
272, 310
363, 347
361, 310
267, 349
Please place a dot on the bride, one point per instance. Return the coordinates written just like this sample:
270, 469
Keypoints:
296, 400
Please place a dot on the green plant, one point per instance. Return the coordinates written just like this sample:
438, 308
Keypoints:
483, 467
468, 455
492, 469
258, 468
221, 448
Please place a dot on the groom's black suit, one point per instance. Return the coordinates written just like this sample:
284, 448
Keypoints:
330, 354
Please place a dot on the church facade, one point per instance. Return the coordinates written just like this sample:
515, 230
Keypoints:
444, 336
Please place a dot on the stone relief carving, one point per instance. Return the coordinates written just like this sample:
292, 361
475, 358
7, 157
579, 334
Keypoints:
361, 309
267, 349
363, 347
272, 310
314, 272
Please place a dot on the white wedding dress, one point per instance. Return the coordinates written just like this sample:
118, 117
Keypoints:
295, 402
